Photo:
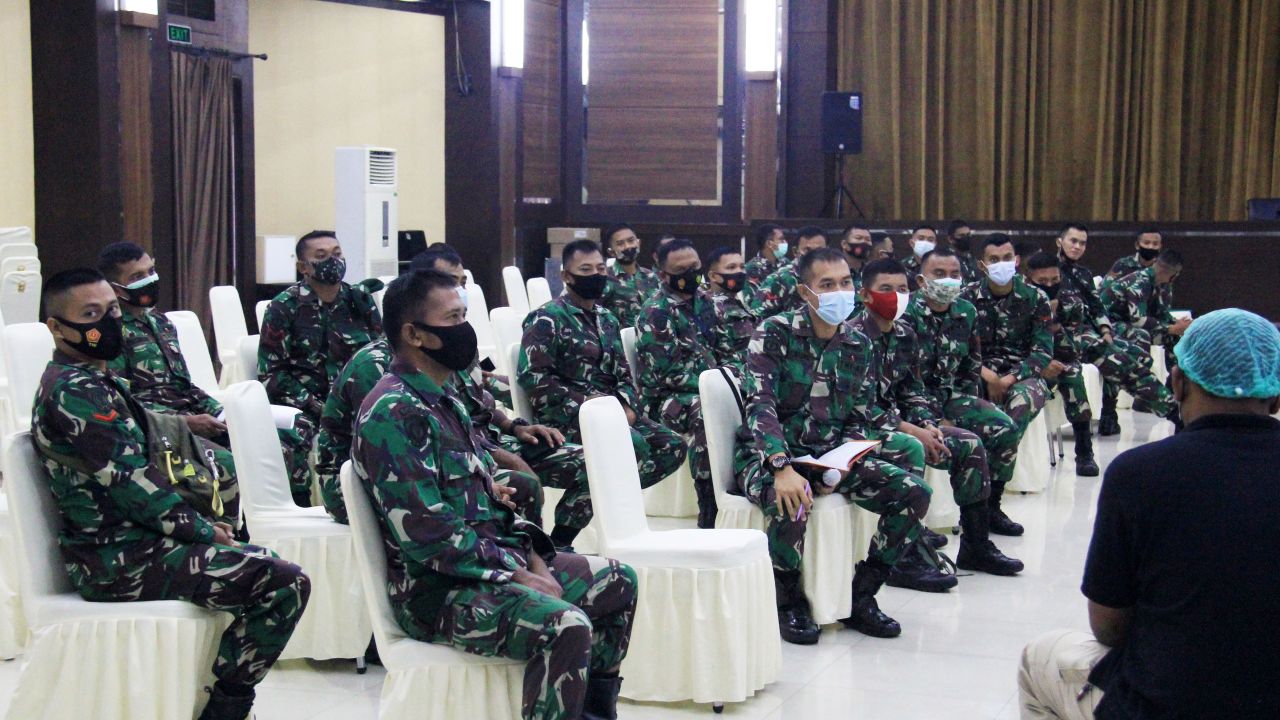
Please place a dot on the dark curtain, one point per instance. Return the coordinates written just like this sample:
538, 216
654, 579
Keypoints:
1058, 109
203, 178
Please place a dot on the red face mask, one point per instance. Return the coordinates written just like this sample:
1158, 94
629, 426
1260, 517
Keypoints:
888, 305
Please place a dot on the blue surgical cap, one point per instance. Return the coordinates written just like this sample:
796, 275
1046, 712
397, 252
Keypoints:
1232, 354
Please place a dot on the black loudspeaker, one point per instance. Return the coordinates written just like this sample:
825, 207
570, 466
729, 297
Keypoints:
842, 123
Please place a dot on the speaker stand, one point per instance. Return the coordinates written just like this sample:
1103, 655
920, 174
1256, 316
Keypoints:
841, 193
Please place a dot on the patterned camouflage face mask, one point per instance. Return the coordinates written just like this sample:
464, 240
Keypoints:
329, 271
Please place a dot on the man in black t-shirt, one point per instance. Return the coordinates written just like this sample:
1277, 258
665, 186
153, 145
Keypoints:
1180, 575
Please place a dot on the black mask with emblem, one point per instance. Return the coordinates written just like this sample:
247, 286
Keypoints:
102, 339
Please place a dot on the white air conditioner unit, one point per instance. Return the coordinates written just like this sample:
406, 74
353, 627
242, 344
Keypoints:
366, 208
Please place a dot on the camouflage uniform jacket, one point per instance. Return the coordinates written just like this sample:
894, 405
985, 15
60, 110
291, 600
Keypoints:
969, 271
1073, 313
1013, 330
675, 342
114, 496
950, 356
912, 263
152, 363
734, 324
304, 343
568, 355
350, 388
432, 490
900, 391
1080, 279
777, 293
487, 418
626, 294
1132, 264
759, 268
1136, 304
808, 395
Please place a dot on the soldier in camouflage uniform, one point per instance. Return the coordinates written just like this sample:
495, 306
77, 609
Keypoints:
151, 359
726, 281
126, 535
309, 332
950, 368
810, 390
1063, 373
464, 569
630, 284
572, 351
909, 421
960, 237
858, 249
778, 291
771, 250
924, 238
677, 339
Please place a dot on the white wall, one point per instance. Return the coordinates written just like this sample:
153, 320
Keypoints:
17, 163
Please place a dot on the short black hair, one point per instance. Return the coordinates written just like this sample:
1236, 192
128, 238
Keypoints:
606, 235
1148, 230
941, 251
301, 247
117, 254
804, 268
883, 266
1170, 258
809, 231
426, 260
877, 238
713, 258
955, 225
674, 245
996, 240
1042, 261
406, 296
764, 232
930, 228
61, 283
852, 227
1073, 226
586, 247
1026, 248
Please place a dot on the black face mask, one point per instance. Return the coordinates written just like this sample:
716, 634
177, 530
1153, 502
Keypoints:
459, 345
628, 257
858, 251
329, 271
1050, 290
686, 282
589, 287
960, 243
144, 296
1148, 254
101, 340
733, 282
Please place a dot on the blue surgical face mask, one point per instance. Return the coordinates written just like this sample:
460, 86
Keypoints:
835, 307
1002, 273
781, 251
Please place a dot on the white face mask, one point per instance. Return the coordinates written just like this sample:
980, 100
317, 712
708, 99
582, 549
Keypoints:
923, 246
462, 293
781, 251
1002, 273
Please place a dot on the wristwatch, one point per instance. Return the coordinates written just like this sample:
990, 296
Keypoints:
779, 461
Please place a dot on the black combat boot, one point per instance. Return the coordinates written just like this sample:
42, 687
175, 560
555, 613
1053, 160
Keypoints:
223, 706
1000, 523
795, 620
977, 552
706, 504
1108, 423
602, 697
913, 572
1086, 466
936, 540
866, 617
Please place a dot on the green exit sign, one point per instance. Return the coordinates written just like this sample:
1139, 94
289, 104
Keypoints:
179, 34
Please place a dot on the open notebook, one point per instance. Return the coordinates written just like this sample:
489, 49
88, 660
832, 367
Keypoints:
842, 458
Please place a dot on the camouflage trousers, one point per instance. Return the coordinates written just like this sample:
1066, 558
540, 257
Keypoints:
528, 496
1023, 401
966, 465
659, 450
900, 498
264, 594
683, 413
998, 432
587, 629
564, 468
1126, 365
499, 386
296, 444
1075, 399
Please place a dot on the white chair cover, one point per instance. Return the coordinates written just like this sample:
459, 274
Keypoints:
15, 236
519, 398
478, 316
629, 339
943, 511
706, 622
228, 327
260, 311
471, 279
28, 348
674, 496
18, 250
107, 661
19, 264
507, 329
195, 351
377, 298
517, 296
424, 681
830, 550
20, 296
335, 624
539, 292
1031, 474
13, 624
247, 357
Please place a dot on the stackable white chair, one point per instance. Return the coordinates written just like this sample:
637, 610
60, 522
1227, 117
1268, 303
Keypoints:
424, 681
539, 292
471, 279
15, 236
28, 347
478, 316
507, 329
20, 296
228, 328
517, 296
13, 624
706, 625
260, 311
1031, 474
195, 351
629, 350
19, 264
943, 513
88, 659
1055, 410
18, 250
335, 624
519, 398
247, 357
829, 551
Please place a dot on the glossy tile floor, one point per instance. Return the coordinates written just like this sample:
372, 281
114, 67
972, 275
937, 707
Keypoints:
956, 659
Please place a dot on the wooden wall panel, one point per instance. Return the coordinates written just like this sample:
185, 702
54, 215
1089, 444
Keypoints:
646, 58
136, 135
668, 153
541, 104
760, 179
